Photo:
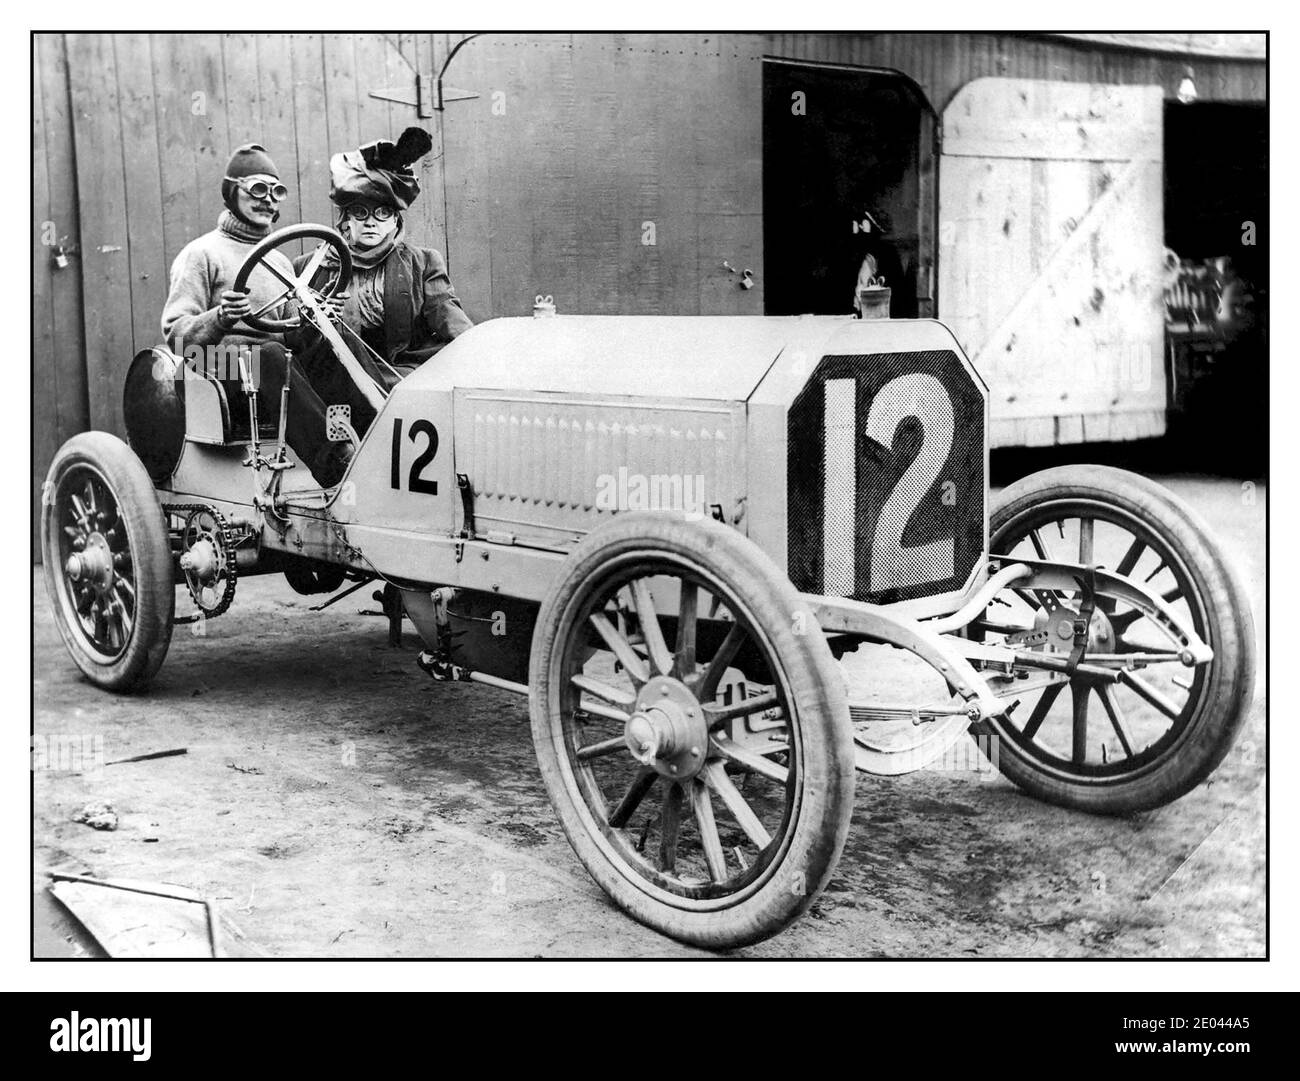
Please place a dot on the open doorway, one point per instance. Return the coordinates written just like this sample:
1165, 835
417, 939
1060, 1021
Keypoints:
848, 175
1216, 309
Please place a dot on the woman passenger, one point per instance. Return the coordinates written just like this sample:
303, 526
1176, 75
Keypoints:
401, 308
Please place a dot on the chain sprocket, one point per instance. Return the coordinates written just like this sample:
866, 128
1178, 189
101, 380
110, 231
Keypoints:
222, 537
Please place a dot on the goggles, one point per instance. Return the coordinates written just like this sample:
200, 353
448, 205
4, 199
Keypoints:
260, 189
360, 212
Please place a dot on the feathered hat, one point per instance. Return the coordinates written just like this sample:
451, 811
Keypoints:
380, 170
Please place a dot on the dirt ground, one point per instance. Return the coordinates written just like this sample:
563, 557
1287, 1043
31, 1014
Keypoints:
336, 803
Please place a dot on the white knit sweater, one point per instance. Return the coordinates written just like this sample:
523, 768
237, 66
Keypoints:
205, 268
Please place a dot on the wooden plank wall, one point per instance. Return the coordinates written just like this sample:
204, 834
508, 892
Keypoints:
131, 133
574, 150
60, 402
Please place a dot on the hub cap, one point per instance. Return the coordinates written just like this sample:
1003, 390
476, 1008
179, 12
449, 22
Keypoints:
667, 730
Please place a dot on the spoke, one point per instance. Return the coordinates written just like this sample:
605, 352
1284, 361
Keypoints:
715, 776
313, 265
121, 599
80, 513
116, 627
1131, 557
1079, 745
615, 696
620, 647
123, 623
651, 631
1085, 541
1041, 707
707, 690
684, 660
1121, 623
632, 798
599, 709
287, 281
1039, 546
100, 631
670, 822
755, 763
1125, 567
713, 854
267, 307
746, 706
604, 747
1112, 708
1145, 690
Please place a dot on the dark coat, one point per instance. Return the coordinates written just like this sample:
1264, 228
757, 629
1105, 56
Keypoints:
421, 310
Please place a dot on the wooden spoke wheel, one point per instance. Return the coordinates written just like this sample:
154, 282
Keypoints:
1115, 747
107, 561
691, 729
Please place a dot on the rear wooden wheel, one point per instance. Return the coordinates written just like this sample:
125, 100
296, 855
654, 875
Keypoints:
691, 729
107, 561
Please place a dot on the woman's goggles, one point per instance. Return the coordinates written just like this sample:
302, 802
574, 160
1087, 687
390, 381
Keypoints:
360, 212
260, 189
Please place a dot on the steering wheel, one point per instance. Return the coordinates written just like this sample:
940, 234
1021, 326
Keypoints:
331, 240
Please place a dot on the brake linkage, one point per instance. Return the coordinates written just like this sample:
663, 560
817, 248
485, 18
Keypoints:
1083, 621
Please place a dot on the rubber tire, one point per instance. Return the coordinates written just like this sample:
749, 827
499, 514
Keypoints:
1228, 694
812, 676
151, 557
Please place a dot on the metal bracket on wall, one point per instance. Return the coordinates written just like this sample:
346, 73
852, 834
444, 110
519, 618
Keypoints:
424, 102
418, 96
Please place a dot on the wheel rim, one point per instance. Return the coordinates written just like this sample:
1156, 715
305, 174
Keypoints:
94, 571
1103, 733
694, 810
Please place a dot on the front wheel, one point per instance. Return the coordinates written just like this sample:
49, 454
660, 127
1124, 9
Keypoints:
1106, 747
691, 729
107, 561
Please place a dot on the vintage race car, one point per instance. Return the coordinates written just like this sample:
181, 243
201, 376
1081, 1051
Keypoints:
674, 535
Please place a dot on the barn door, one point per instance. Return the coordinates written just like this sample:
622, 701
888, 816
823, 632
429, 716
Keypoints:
1051, 241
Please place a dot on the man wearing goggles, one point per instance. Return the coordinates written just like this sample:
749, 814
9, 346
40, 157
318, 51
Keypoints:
259, 189
204, 310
